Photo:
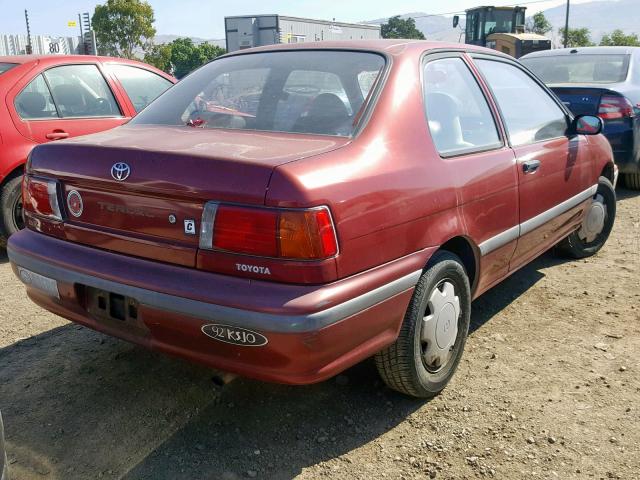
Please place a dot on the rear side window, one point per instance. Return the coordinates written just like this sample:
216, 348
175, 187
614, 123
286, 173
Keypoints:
314, 91
457, 112
4, 67
35, 101
530, 114
81, 91
142, 86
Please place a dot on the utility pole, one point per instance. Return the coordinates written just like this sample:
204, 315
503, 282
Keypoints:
566, 27
80, 25
29, 46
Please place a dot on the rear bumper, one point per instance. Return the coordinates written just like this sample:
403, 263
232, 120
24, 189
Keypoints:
313, 331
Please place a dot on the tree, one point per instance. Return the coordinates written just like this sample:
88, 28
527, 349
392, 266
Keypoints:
397, 27
159, 56
578, 37
185, 56
181, 56
538, 24
618, 38
121, 26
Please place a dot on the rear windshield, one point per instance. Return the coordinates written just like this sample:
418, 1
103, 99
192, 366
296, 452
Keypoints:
312, 91
580, 68
6, 66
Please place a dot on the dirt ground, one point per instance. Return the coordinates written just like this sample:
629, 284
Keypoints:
549, 387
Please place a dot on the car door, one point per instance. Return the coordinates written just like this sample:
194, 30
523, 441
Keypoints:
471, 143
554, 169
65, 101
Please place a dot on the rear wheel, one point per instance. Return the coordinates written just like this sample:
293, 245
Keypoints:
632, 180
431, 340
596, 226
11, 219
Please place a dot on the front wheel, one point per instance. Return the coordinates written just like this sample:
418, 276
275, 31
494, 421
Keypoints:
431, 340
11, 219
596, 226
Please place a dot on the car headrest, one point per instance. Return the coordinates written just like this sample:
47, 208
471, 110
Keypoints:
32, 104
68, 95
328, 105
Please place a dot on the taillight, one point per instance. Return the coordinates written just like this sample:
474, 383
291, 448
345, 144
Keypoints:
40, 196
614, 107
300, 234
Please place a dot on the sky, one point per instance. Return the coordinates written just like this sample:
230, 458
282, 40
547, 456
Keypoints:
205, 18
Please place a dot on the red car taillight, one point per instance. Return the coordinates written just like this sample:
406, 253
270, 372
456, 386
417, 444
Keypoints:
305, 234
40, 196
614, 107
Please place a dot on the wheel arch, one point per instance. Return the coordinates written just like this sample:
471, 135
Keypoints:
469, 253
608, 171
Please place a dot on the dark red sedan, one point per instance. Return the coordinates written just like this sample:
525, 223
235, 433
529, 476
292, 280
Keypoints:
286, 212
60, 96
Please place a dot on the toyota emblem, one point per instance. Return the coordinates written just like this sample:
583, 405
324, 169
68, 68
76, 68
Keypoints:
120, 171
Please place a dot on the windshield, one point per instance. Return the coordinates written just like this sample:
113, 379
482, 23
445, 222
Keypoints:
311, 91
579, 68
6, 66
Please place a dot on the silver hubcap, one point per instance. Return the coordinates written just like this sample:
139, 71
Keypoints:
440, 326
594, 221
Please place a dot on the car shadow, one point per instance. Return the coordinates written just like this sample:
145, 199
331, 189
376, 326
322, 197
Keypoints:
78, 404
496, 299
3, 256
623, 193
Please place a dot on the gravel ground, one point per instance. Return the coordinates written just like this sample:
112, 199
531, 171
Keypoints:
549, 387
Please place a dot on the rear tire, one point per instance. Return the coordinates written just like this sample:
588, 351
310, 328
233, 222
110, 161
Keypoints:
427, 351
584, 243
632, 181
10, 209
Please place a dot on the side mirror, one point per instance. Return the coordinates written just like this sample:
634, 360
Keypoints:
456, 20
586, 125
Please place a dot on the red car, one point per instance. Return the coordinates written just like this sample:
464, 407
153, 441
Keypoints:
53, 97
286, 212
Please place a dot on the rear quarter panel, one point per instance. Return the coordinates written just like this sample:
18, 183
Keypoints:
391, 194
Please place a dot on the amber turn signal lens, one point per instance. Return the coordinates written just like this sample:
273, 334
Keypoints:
306, 234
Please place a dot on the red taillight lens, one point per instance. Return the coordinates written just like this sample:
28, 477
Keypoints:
244, 230
40, 196
305, 234
614, 107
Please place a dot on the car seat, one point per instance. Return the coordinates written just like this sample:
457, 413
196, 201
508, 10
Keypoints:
327, 114
444, 123
32, 105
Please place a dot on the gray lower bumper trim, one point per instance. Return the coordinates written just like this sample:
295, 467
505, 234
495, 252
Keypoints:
219, 313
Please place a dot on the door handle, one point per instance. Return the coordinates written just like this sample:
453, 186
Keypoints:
57, 135
530, 166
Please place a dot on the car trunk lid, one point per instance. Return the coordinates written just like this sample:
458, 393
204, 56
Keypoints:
581, 100
143, 189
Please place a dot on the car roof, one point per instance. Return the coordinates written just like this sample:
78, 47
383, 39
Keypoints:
585, 50
390, 46
56, 59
